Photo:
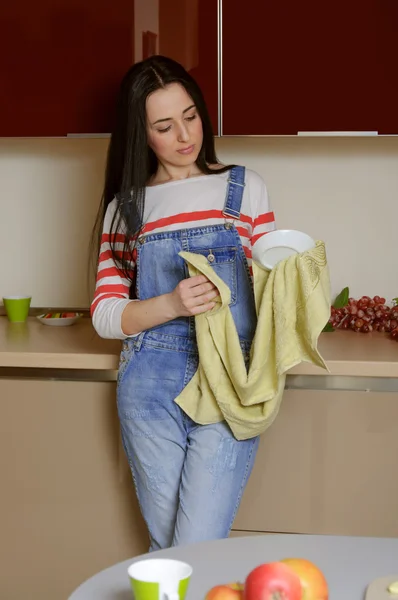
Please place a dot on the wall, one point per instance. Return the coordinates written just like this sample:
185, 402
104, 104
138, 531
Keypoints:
50, 193
343, 191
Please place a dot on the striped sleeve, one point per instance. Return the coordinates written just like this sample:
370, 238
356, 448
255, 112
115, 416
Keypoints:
112, 288
264, 219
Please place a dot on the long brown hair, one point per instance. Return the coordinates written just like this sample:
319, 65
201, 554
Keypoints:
131, 162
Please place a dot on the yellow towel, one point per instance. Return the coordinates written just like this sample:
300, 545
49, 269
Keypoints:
293, 306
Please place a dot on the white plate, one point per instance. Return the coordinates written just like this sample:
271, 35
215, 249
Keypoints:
280, 244
61, 322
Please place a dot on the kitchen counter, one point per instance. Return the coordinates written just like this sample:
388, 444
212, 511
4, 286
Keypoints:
33, 345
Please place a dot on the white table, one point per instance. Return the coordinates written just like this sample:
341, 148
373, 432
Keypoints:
349, 564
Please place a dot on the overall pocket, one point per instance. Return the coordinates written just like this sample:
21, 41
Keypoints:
223, 261
125, 358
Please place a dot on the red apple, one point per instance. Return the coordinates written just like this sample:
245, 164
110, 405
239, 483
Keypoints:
272, 581
312, 579
231, 591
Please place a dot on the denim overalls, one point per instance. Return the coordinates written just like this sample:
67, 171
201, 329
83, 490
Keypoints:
189, 478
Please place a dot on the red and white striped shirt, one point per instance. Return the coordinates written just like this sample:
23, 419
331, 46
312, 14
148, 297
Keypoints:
177, 204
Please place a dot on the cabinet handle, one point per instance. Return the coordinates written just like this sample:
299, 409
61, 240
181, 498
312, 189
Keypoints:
337, 133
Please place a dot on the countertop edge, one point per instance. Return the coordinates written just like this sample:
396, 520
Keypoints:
109, 362
349, 369
26, 360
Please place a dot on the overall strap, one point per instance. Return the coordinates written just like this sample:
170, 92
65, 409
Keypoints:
233, 199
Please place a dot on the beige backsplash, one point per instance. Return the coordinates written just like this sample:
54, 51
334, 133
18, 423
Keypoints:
341, 190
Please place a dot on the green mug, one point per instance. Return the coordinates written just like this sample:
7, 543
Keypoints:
17, 308
159, 579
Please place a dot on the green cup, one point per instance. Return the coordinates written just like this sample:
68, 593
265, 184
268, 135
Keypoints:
17, 308
159, 579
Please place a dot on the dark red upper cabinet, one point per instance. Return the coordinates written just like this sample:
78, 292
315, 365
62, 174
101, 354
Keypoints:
188, 32
61, 62
309, 66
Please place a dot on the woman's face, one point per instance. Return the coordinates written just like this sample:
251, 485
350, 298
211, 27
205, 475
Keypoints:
174, 127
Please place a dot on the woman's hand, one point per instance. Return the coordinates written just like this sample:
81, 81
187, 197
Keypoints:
193, 296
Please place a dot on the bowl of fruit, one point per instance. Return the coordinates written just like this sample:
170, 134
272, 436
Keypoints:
59, 319
287, 579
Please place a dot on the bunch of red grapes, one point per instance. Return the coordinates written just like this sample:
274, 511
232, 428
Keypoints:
366, 315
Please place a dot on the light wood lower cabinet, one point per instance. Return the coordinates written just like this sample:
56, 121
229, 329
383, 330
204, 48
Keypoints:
68, 508
328, 464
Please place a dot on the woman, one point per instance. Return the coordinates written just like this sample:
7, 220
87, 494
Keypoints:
165, 192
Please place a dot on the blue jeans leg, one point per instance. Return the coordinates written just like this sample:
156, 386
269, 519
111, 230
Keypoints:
156, 462
154, 435
215, 472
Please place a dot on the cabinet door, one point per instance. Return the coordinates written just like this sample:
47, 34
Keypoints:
304, 66
68, 506
188, 33
326, 466
206, 70
61, 64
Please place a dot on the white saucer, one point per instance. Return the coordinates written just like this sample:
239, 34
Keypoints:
277, 245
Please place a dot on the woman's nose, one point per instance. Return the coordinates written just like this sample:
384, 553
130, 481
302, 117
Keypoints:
183, 135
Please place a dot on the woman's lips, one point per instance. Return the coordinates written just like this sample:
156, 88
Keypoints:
186, 150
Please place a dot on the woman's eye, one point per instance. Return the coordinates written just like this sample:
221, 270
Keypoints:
164, 130
191, 118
